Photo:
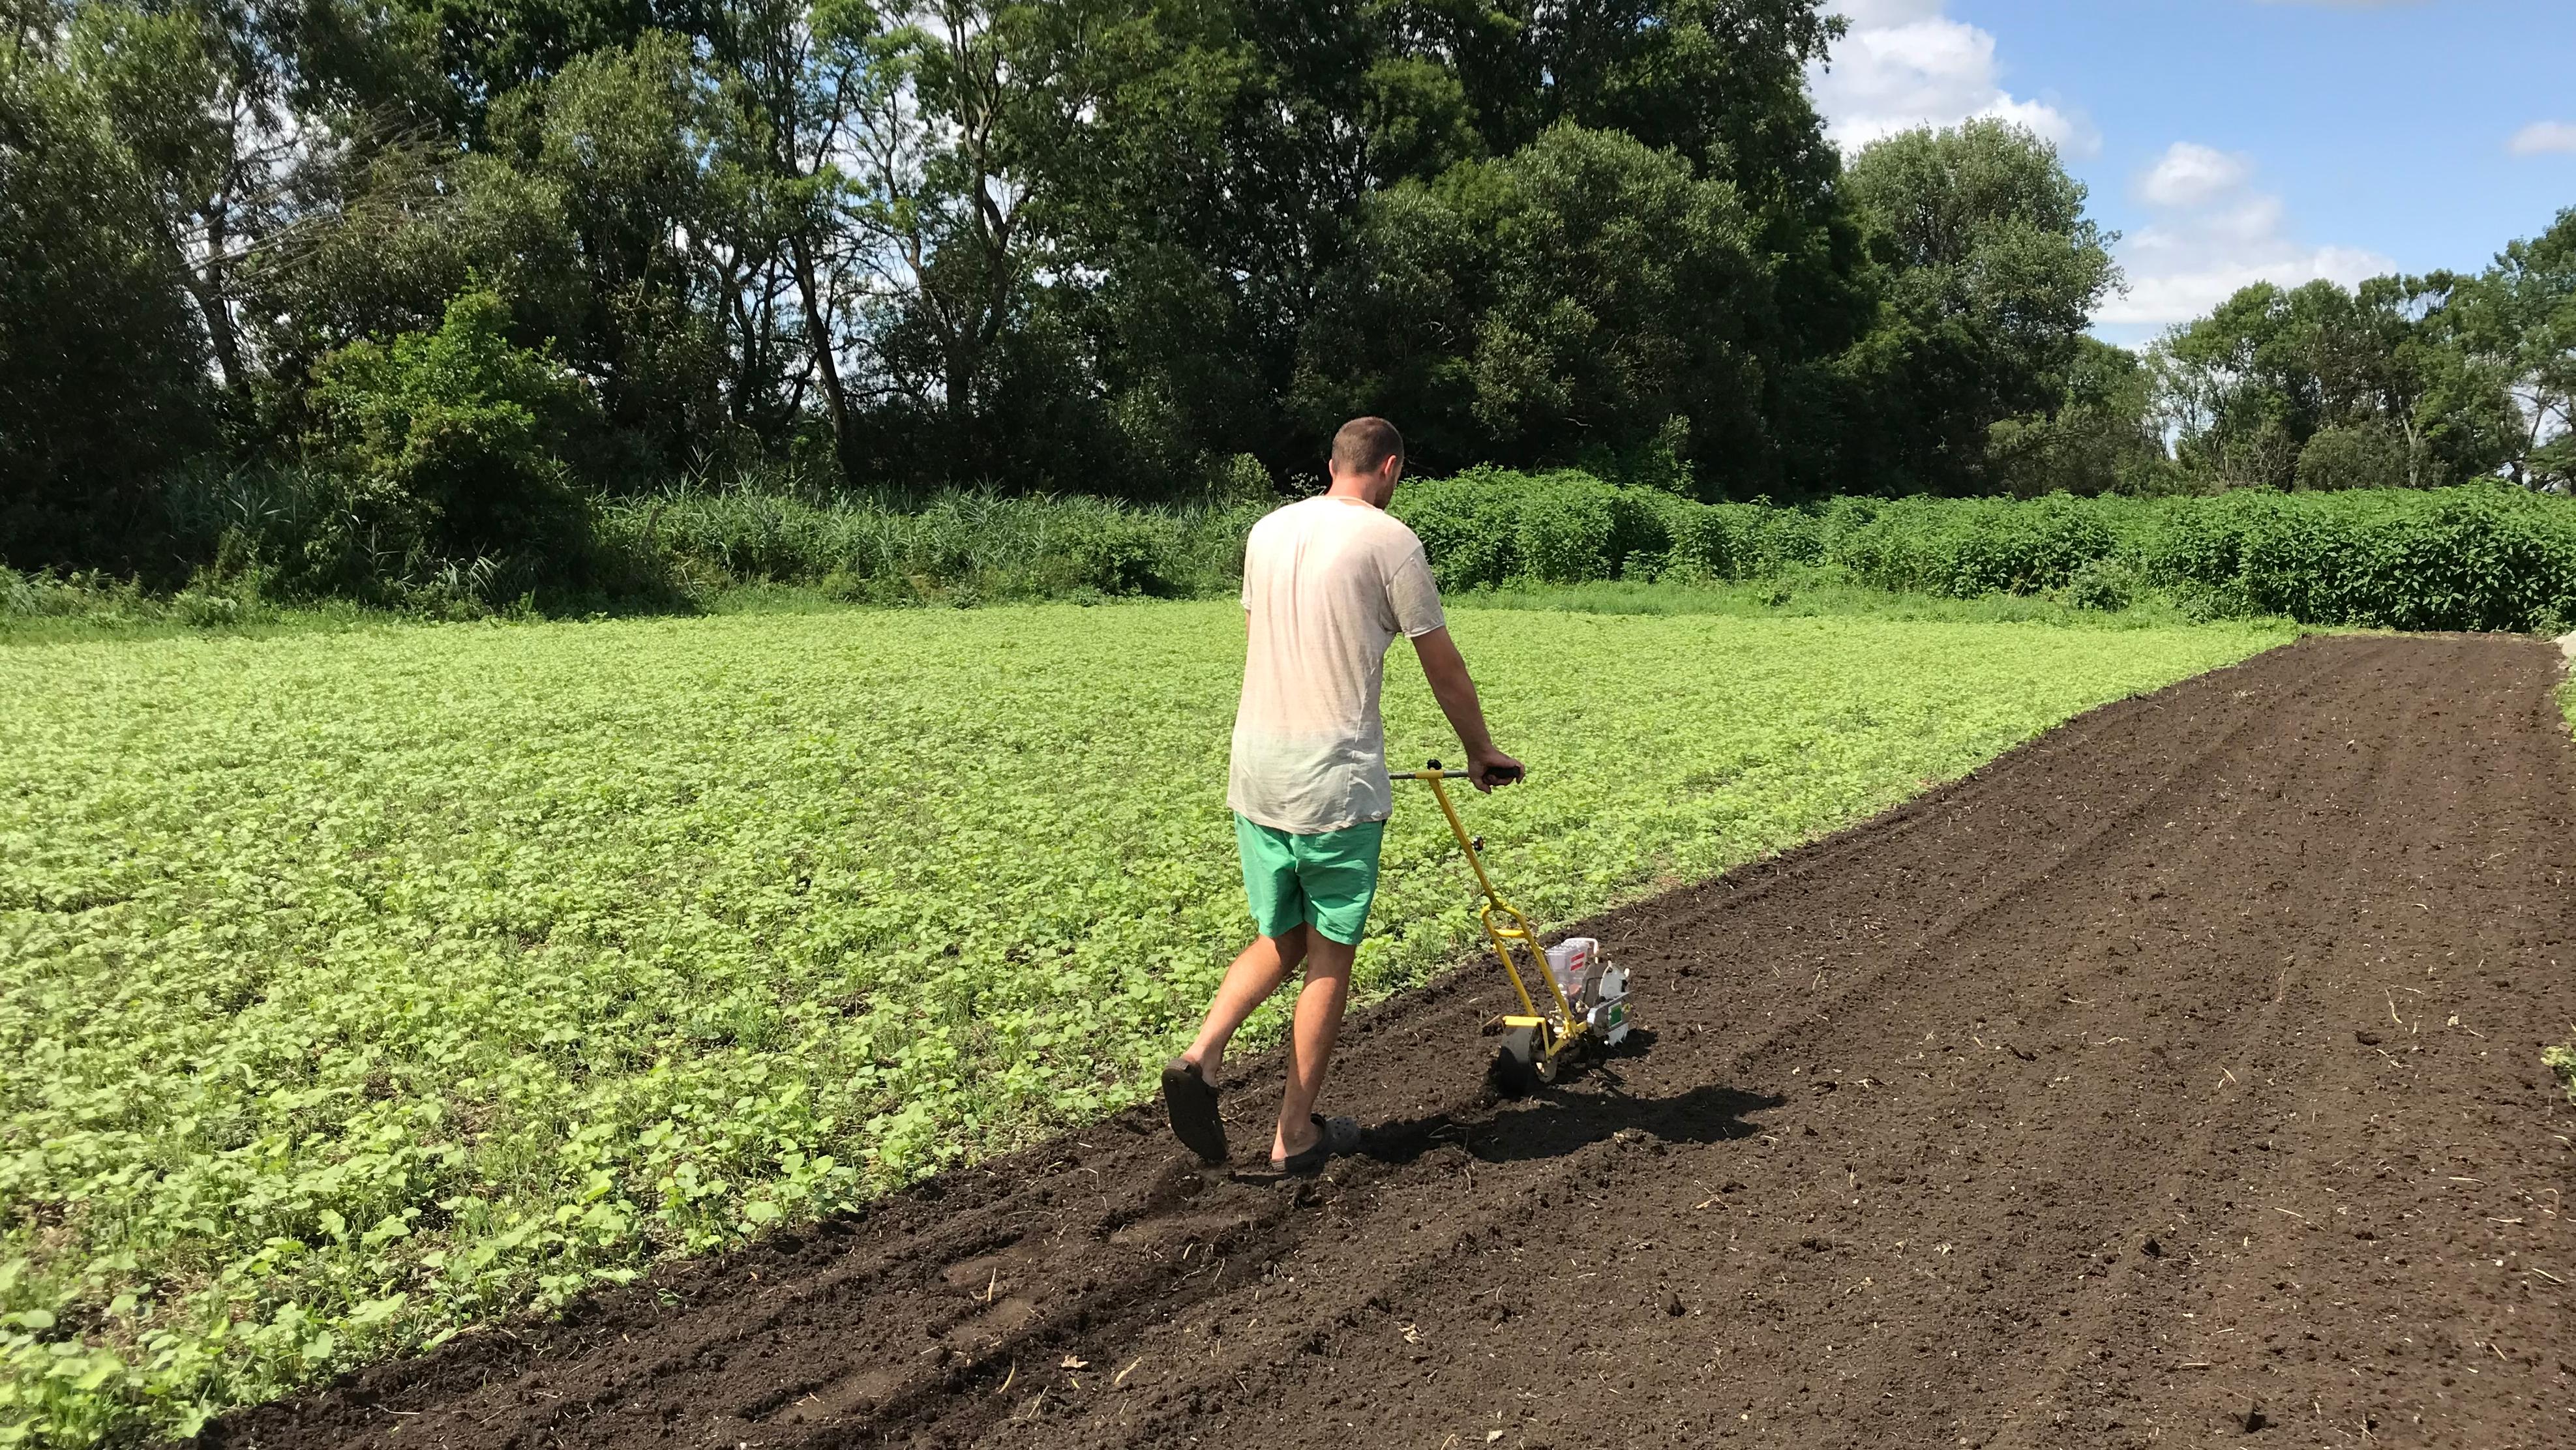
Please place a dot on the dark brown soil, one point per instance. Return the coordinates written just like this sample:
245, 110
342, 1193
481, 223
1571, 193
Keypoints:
2175, 1078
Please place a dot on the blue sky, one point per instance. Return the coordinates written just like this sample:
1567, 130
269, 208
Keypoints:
2230, 140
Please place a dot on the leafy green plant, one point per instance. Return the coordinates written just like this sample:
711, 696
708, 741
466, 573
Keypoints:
1565, 525
2481, 557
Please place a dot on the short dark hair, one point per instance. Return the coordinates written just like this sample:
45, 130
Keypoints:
1365, 444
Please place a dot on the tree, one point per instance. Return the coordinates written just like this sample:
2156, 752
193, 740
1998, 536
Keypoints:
386, 242
2101, 437
1987, 273
636, 143
2519, 319
2373, 379
937, 195
100, 351
799, 73
1198, 176
222, 108
1224, 181
1721, 82
2242, 399
1574, 297
2410, 372
486, 49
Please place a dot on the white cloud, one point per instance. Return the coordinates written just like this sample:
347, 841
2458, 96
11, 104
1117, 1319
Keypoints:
1905, 64
2194, 175
2214, 233
1869, 14
2541, 138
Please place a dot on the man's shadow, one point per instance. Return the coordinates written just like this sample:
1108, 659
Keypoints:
1574, 1112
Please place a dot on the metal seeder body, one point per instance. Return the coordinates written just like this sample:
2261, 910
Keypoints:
1553, 1026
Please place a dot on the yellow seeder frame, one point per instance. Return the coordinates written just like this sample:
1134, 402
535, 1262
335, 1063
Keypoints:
1512, 934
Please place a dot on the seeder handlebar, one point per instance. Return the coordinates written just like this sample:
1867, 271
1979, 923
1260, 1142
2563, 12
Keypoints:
1455, 774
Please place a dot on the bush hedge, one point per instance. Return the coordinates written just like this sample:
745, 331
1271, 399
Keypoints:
1489, 526
2484, 556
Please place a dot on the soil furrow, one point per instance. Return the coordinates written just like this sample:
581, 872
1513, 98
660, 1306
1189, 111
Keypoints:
2172, 1078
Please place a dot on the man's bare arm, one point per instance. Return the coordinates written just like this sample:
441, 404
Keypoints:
1450, 685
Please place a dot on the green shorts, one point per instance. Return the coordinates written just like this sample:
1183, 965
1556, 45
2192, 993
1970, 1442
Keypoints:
1324, 881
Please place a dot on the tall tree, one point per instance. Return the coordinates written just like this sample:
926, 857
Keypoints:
1219, 163
633, 140
2100, 437
2322, 387
486, 49
100, 350
940, 194
2520, 319
1989, 271
1582, 296
197, 94
800, 73
1200, 176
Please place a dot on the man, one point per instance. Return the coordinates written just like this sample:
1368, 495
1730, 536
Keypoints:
1327, 584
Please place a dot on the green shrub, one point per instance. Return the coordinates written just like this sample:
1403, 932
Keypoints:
2109, 583
1487, 526
2370, 456
1121, 553
1566, 526
1469, 525
449, 446
1739, 540
2477, 557
1965, 548
1242, 479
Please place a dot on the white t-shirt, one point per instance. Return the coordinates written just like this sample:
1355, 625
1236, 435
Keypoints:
1328, 584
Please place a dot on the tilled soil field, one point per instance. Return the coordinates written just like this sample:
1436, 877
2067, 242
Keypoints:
2174, 1079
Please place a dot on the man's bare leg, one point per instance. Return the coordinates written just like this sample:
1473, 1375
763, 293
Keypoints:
1256, 973
1310, 1041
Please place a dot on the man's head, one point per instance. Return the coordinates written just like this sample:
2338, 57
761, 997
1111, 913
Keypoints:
1368, 458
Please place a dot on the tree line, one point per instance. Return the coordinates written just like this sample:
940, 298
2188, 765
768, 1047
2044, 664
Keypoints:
338, 288
2411, 382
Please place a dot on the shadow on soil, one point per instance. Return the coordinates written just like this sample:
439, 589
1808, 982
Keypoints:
1573, 1115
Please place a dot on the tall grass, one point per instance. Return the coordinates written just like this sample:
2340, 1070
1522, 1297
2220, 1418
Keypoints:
958, 547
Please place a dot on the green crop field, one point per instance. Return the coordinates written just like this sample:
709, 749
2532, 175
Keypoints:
357, 987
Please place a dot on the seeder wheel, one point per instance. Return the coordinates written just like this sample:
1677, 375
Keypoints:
1516, 1067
